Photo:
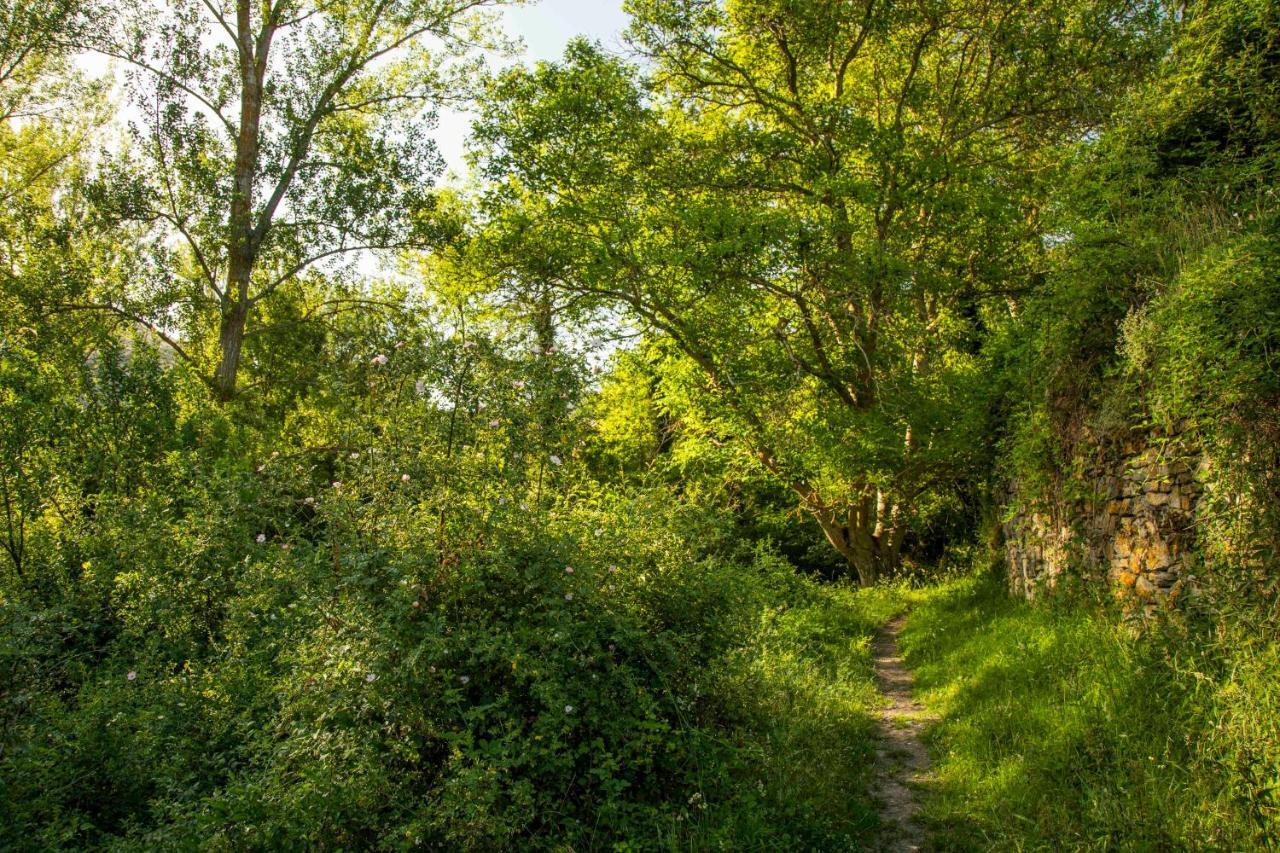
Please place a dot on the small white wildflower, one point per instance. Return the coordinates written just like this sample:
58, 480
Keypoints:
309, 501
370, 678
555, 460
432, 668
568, 596
568, 570
355, 454
524, 506
379, 359
260, 538
468, 344
337, 484
568, 709
261, 468
599, 532
518, 384
464, 678
131, 675
275, 454
404, 478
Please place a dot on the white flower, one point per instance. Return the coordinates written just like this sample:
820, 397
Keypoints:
468, 344
379, 359
370, 678
131, 675
355, 454
261, 468
420, 387
555, 460
568, 709
432, 668
464, 678
404, 478
337, 484
599, 532
310, 501
568, 570
261, 537
275, 454
524, 506
568, 596
518, 384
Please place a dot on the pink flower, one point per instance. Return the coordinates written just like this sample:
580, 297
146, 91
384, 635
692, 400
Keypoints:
131, 675
495, 423
379, 359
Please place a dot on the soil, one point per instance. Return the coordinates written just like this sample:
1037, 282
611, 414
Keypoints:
902, 760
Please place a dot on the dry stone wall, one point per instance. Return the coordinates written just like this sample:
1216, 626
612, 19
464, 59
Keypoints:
1128, 522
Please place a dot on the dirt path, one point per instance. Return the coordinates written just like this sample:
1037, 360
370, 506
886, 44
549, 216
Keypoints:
901, 758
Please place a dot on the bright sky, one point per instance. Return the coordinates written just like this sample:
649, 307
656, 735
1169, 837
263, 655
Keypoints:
545, 27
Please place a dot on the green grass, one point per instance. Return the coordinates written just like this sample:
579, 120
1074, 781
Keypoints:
1062, 729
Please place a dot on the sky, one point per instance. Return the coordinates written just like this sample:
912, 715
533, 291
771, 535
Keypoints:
545, 27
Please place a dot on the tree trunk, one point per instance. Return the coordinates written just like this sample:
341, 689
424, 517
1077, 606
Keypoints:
230, 339
868, 537
242, 239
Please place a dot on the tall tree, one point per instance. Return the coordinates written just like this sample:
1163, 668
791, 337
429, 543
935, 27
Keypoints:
276, 134
814, 202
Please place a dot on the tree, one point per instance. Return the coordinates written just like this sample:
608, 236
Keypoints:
278, 134
814, 202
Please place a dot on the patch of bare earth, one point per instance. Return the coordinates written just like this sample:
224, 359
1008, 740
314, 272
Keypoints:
902, 760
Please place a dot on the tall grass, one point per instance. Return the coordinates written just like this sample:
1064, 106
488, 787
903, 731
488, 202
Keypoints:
1063, 729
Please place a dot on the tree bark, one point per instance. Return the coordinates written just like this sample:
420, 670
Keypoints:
243, 240
869, 537
230, 340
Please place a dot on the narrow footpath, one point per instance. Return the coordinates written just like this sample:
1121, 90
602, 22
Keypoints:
902, 760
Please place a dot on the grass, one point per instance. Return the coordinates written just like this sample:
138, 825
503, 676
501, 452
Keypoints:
1062, 729
807, 736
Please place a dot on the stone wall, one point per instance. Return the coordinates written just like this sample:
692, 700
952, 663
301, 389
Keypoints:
1127, 520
